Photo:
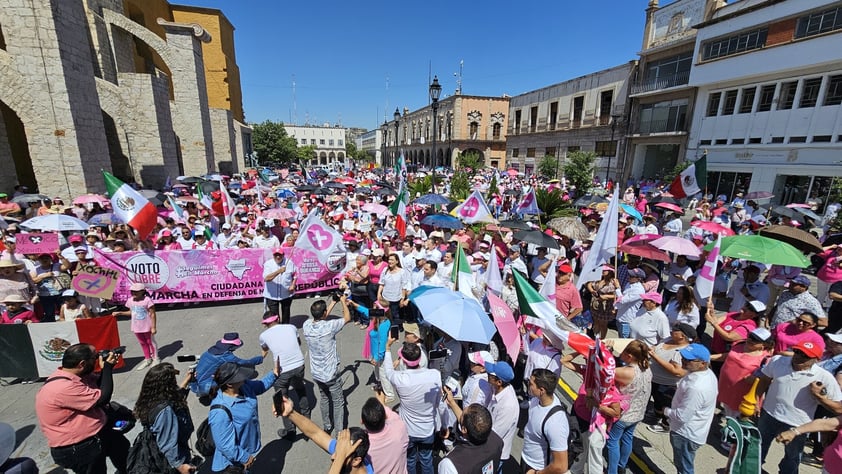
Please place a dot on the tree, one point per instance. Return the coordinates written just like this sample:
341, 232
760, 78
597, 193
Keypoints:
470, 162
272, 143
460, 185
578, 169
677, 169
548, 167
492, 187
552, 204
305, 154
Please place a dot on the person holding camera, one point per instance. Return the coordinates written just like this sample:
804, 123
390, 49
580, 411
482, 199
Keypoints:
71, 412
162, 406
320, 334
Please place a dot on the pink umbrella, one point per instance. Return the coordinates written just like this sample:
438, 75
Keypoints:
641, 238
713, 227
791, 206
282, 213
90, 198
670, 206
186, 199
375, 208
645, 250
676, 245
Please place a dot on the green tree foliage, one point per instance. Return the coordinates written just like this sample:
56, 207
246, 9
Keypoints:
470, 162
552, 205
548, 167
460, 185
305, 154
272, 144
677, 169
492, 188
420, 186
578, 169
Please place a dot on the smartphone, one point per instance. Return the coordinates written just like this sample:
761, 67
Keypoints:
120, 425
394, 332
278, 402
186, 358
438, 354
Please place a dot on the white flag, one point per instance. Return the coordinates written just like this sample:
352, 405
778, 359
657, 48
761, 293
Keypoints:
604, 247
707, 275
548, 287
529, 205
318, 237
493, 279
474, 209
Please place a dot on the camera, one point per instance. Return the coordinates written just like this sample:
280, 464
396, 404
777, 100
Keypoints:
116, 350
377, 387
337, 295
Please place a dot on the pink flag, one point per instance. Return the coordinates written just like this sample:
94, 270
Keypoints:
506, 325
707, 275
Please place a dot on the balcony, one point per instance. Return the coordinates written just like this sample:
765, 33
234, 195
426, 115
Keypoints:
659, 83
661, 126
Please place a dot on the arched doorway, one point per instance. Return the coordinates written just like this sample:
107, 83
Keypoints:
14, 150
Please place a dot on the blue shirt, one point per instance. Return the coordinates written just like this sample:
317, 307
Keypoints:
369, 469
378, 338
208, 364
231, 448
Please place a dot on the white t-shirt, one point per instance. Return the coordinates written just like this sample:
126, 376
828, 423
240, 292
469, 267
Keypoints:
282, 340
534, 444
420, 392
789, 399
650, 327
477, 390
505, 409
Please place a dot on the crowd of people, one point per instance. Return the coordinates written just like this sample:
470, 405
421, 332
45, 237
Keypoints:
771, 360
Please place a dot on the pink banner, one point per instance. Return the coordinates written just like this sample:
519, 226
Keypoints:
314, 275
36, 242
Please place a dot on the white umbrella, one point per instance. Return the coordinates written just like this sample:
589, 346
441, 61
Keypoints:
55, 222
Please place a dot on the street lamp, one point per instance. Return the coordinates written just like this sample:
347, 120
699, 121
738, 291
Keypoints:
397, 130
435, 92
614, 119
384, 129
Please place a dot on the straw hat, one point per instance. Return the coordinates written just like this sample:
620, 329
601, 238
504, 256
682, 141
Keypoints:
8, 263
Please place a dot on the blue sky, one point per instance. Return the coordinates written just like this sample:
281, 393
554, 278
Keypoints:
343, 54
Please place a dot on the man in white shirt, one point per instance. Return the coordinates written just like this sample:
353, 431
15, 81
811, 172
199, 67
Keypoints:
419, 390
692, 409
279, 276
504, 406
432, 252
282, 341
446, 266
514, 262
674, 226
265, 239
648, 226
677, 274
76, 241
431, 277
227, 239
185, 239
752, 289
546, 431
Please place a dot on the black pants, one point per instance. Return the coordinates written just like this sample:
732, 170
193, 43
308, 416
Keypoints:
284, 305
88, 456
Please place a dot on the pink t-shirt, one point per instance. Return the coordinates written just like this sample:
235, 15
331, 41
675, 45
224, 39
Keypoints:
733, 377
141, 322
788, 335
833, 456
730, 324
388, 447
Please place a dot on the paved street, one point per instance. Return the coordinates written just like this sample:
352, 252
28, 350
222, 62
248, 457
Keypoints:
193, 329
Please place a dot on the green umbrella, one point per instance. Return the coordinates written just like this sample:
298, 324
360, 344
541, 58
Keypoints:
760, 249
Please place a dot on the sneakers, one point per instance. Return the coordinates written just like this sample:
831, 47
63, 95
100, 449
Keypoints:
155, 361
658, 428
143, 365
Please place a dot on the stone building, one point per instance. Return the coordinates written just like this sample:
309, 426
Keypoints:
769, 80
118, 85
465, 124
661, 98
328, 141
586, 113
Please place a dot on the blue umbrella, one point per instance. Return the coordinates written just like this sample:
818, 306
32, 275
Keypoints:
285, 193
459, 316
631, 211
432, 200
443, 220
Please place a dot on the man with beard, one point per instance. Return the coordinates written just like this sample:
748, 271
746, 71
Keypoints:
70, 410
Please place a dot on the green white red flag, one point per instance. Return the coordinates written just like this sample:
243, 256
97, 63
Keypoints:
691, 180
130, 206
461, 275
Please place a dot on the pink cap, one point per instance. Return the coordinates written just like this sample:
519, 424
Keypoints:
652, 296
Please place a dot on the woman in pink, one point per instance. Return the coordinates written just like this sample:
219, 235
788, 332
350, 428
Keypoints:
829, 273
738, 366
798, 330
142, 312
833, 453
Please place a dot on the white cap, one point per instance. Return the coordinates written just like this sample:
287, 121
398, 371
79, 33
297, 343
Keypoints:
226, 226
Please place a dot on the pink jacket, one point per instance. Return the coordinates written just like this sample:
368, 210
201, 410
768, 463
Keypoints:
831, 271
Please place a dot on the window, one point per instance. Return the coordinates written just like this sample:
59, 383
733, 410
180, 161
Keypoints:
801, 139
321, 141
713, 103
738, 141
515, 152
747, 100
606, 98
312, 141
777, 140
606, 148
517, 122
810, 92
533, 119
720, 141
665, 73
340, 142
553, 115
473, 130
819, 22
572, 149
530, 153
754, 140
330, 142
730, 102
822, 138
667, 116
767, 95
704, 142
549, 151
578, 106
496, 130
738, 43
303, 141
787, 96
833, 95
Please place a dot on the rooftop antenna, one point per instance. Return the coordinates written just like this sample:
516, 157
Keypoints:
294, 108
429, 78
339, 115
459, 77
387, 94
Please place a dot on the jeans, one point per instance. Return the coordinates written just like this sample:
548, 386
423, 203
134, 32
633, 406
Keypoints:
88, 456
284, 305
330, 393
395, 312
422, 448
620, 442
294, 378
624, 330
683, 453
769, 428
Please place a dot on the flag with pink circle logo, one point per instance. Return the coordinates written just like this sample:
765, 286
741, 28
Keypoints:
319, 238
474, 209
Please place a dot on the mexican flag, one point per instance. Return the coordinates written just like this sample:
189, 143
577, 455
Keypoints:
461, 275
691, 180
398, 209
130, 206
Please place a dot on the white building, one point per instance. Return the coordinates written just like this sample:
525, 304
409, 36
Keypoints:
769, 79
329, 142
371, 142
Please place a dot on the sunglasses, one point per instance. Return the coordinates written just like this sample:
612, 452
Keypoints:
802, 321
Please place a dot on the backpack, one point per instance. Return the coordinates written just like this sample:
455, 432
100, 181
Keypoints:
145, 457
555, 409
204, 438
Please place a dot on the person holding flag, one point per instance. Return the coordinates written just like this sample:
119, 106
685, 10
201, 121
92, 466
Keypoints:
130, 206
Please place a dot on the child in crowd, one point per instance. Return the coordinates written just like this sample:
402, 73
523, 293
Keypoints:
72, 309
142, 312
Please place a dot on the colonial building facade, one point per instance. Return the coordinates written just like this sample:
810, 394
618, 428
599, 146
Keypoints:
586, 113
465, 124
769, 79
117, 85
328, 141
